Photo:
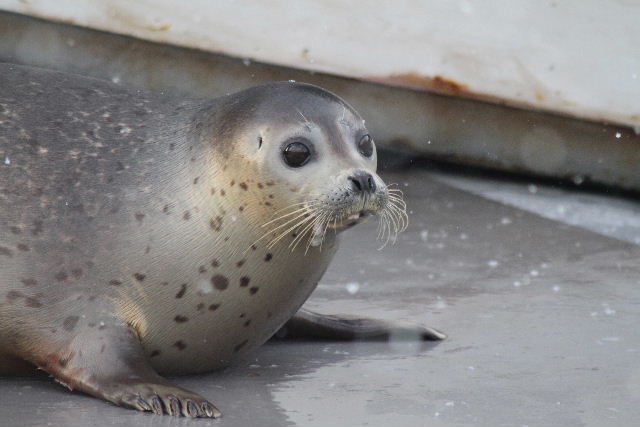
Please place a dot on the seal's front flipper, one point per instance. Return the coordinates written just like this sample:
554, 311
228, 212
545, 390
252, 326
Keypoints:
107, 361
307, 324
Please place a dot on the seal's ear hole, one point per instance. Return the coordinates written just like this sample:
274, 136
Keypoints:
259, 142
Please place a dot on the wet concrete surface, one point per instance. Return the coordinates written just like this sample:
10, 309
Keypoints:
542, 314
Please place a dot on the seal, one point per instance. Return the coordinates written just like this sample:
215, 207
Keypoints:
144, 234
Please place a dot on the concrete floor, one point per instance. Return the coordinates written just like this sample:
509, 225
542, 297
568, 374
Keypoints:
542, 314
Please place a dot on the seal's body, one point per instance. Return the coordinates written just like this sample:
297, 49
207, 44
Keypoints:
143, 233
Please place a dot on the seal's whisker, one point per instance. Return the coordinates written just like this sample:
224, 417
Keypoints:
393, 216
386, 229
308, 229
307, 206
398, 222
302, 233
402, 211
306, 203
295, 226
301, 213
324, 232
316, 233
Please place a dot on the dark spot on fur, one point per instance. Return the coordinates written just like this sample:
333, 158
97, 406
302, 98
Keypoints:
172, 146
38, 227
215, 263
267, 203
244, 281
216, 223
32, 302
165, 209
76, 273
270, 183
22, 247
240, 263
239, 346
260, 186
147, 250
243, 186
241, 208
268, 257
220, 282
180, 345
233, 181
29, 282
269, 314
195, 180
61, 276
182, 291
186, 216
181, 319
139, 276
139, 217
200, 306
119, 166
222, 193
202, 269
70, 323
247, 323
254, 290
115, 282
15, 230
213, 191
254, 247
154, 353
14, 295
243, 315
214, 307
6, 252
271, 196
164, 283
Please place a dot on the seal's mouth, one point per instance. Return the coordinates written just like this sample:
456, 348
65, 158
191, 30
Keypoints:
306, 223
353, 219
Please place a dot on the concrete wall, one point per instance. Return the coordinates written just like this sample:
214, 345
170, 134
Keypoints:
575, 57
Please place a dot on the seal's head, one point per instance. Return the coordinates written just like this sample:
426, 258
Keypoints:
314, 150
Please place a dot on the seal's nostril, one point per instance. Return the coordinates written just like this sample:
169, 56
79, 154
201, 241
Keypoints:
372, 184
356, 183
363, 181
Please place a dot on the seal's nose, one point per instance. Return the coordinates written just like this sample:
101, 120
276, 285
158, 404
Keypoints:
363, 182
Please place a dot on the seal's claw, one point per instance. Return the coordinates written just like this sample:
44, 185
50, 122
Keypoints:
156, 405
191, 409
174, 406
165, 399
211, 411
142, 404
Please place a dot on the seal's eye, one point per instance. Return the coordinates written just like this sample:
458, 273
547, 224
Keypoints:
297, 154
365, 146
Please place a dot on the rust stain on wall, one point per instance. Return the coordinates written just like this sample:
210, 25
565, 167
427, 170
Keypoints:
437, 83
